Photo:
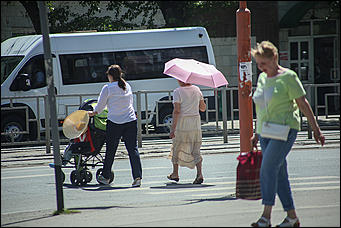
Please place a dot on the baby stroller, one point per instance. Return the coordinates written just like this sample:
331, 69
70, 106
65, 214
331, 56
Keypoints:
84, 152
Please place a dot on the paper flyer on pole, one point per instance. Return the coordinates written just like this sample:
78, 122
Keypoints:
245, 71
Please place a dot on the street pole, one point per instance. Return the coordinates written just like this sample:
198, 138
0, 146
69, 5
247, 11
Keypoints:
52, 105
243, 16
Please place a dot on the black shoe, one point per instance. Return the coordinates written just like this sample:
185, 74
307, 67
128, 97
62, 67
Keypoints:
173, 178
198, 180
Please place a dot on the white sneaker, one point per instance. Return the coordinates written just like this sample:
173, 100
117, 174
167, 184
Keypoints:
289, 222
137, 182
102, 180
262, 222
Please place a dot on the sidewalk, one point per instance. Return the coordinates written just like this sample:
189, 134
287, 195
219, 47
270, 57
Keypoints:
36, 155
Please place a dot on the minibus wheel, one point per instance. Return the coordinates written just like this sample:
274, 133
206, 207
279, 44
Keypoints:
166, 117
12, 124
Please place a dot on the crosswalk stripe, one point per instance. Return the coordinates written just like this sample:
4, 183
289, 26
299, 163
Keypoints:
199, 189
185, 190
321, 182
316, 188
293, 190
314, 177
28, 176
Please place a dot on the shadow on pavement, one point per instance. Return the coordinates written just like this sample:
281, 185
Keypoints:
77, 209
173, 185
97, 208
223, 198
25, 220
94, 187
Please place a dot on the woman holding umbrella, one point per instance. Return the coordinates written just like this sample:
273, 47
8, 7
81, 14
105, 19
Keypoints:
186, 130
187, 101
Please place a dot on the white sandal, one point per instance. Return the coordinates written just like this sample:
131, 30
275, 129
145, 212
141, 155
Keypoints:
289, 222
262, 222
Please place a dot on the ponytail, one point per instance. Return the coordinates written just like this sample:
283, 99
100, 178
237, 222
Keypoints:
116, 72
122, 83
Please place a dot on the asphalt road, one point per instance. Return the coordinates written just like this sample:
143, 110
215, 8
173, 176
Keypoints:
28, 196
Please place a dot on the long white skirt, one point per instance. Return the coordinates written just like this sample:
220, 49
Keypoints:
185, 149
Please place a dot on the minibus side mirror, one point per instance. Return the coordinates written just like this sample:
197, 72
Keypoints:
23, 82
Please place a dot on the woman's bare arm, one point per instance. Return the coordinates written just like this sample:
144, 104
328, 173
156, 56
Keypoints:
176, 113
305, 108
202, 106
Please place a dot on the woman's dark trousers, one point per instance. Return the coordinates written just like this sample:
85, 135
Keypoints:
128, 133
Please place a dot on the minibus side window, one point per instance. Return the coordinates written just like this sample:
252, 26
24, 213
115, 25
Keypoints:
85, 68
35, 69
136, 65
149, 64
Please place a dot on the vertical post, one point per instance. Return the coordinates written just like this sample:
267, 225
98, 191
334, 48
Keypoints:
52, 105
139, 117
47, 126
224, 113
243, 16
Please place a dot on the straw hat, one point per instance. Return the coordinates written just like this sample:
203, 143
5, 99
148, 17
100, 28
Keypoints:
75, 124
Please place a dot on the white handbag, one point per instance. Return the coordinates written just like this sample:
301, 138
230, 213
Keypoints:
275, 131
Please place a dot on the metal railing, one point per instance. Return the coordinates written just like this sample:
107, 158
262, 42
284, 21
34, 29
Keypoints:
312, 97
223, 124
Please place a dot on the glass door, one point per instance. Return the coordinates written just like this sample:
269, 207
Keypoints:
301, 58
325, 60
326, 71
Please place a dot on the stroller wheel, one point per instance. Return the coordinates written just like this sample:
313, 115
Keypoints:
83, 177
99, 171
88, 176
78, 177
75, 177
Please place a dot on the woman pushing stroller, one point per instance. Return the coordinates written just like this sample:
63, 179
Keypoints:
122, 122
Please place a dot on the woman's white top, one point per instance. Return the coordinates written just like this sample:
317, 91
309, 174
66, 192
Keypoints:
189, 98
118, 101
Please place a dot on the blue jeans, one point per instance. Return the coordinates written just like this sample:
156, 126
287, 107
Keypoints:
273, 173
114, 132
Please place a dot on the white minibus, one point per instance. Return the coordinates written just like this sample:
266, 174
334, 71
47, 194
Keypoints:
80, 61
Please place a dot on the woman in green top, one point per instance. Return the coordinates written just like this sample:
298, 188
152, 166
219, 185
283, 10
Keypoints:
279, 97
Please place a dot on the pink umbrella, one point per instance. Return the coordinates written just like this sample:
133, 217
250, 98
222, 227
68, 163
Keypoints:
193, 71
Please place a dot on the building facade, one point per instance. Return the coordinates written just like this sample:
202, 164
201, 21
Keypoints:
307, 34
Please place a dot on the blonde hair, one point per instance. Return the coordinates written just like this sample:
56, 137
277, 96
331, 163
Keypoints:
184, 83
265, 49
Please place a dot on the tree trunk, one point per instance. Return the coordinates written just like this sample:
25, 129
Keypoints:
33, 12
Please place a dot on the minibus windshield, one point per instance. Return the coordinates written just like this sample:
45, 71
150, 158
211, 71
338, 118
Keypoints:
8, 64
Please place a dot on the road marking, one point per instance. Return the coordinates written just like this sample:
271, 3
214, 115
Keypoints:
187, 190
41, 175
199, 189
314, 177
322, 182
292, 189
147, 168
52, 174
20, 169
214, 194
206, 189
316, 188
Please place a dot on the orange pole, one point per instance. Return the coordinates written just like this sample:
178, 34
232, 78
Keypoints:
243, 16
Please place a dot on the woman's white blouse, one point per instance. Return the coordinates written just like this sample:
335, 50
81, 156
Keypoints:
119, 103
